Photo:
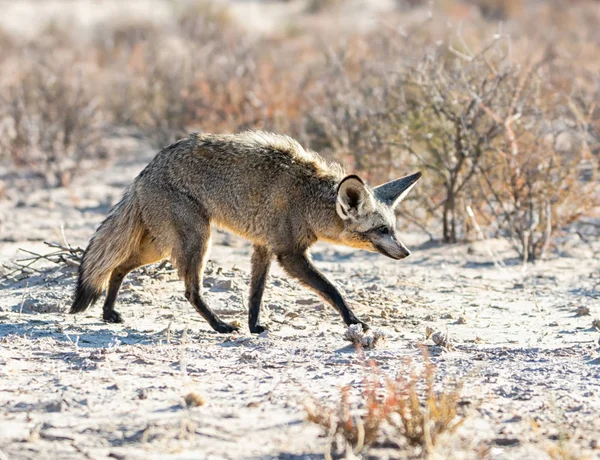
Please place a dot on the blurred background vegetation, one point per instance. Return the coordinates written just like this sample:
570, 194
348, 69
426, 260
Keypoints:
497, 101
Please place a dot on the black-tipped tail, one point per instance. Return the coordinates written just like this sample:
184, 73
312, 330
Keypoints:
85, 295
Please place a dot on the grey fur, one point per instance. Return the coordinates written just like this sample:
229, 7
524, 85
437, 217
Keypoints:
264, 187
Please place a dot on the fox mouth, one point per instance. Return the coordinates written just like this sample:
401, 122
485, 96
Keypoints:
405, 253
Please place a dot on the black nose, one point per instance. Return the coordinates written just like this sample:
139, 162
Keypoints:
404, 249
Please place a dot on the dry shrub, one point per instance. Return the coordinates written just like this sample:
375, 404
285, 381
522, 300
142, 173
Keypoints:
445, 125
51, 120
355, 106
408, 95
204, 75
406, 412
535, 185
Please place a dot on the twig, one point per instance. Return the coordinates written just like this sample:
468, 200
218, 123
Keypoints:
23, 299
497, 262
182, 360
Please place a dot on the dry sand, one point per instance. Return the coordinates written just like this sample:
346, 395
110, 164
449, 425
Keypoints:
75, 387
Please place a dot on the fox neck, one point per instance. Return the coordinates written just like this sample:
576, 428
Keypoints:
328, 226
323, 218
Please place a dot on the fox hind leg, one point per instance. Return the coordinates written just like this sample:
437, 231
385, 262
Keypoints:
109, 314
148, 253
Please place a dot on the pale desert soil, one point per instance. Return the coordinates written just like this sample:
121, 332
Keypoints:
75, 387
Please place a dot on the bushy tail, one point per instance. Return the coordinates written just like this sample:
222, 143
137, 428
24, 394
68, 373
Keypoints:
112, 244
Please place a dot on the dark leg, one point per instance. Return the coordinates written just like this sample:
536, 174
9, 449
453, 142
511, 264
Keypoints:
147, 254
190, 259
261, 261
116, 278
192, 293
299, 266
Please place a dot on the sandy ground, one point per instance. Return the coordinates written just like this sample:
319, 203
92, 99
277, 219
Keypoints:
75, 387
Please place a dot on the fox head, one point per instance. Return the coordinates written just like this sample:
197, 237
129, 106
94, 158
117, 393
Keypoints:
368, 214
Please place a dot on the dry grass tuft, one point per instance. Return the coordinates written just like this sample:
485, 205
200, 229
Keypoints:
407, 412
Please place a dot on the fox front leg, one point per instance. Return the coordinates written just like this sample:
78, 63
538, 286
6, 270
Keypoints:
300, 267
261, 262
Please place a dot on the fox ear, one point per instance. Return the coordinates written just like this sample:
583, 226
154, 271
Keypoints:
353, 198
393, 192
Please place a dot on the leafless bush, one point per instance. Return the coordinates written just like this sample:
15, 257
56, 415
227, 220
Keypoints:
533, 189
51, 120
446, 127
411, 94
354, 111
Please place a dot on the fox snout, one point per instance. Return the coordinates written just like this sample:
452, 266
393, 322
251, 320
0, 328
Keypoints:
392, 247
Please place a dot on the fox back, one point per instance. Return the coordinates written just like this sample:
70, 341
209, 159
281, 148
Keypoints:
261, 186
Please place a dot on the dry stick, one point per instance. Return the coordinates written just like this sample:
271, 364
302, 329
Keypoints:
182, 360
75, 252
68, 256
497, 262
548, 235
23, 298
526, 235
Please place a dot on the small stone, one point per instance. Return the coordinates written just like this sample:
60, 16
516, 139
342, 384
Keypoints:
194, 399
55, 406
582, 310
306, 301
440, 338
224, 285
507, 441
368, 340
461, 320
142, 393
596, 323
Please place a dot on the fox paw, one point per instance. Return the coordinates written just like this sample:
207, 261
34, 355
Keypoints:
365, 326
112, 317
258, 329
224, 328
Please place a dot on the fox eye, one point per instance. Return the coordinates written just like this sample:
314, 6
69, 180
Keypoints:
384, 230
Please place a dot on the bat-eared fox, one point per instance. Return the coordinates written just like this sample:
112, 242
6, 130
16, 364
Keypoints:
264, 187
